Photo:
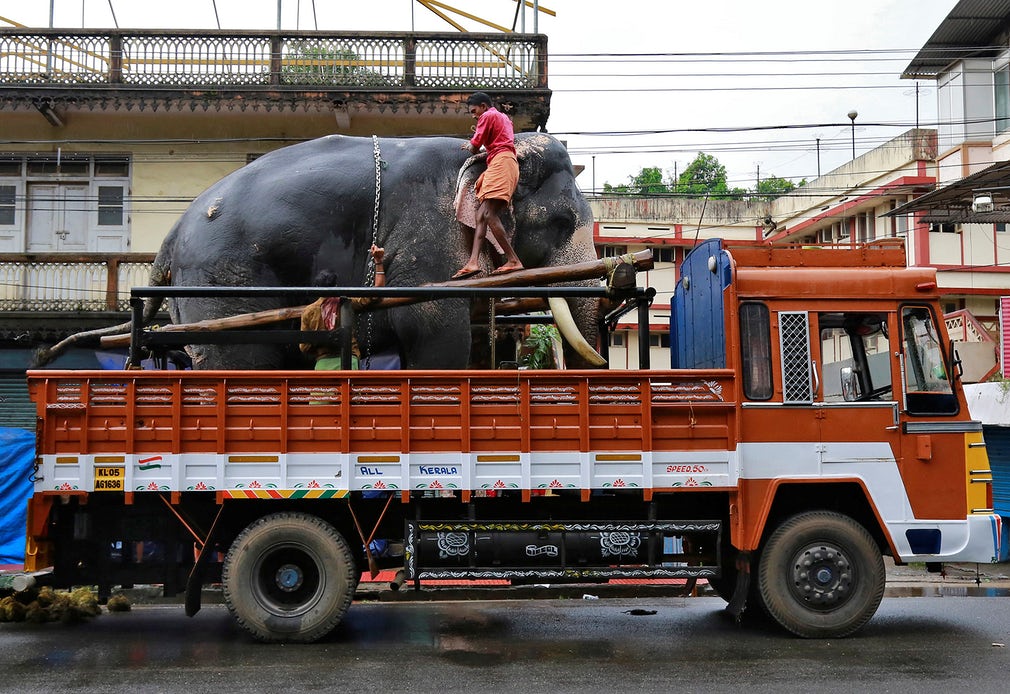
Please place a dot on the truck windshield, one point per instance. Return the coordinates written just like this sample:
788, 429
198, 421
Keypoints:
927, 381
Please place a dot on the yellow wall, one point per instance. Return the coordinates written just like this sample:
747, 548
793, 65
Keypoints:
177, 154
163, 183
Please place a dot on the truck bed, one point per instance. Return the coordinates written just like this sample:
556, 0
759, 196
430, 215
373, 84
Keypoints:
286, 434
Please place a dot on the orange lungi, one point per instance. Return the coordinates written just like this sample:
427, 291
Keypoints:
500, 179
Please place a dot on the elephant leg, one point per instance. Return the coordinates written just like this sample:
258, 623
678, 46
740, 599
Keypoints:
434, 334
244, 355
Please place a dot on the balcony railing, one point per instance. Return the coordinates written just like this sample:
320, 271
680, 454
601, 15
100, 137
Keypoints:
87, 282
271, 60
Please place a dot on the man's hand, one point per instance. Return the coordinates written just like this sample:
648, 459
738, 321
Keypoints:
378, 254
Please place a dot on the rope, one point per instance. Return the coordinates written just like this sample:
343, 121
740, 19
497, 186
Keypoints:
610, 263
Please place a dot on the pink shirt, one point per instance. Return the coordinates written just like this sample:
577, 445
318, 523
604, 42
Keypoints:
495, 133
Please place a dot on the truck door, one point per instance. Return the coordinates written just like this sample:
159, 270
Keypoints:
855, 381
831, 384
944, 469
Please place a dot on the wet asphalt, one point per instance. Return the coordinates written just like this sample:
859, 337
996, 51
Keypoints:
948, 630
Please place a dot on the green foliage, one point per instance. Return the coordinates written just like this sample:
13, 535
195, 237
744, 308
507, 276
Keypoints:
540, 347
649, 181
313, 62
773, 187
1004, 383
705, 176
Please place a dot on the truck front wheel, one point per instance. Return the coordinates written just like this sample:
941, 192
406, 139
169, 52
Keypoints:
289, 577
821, 575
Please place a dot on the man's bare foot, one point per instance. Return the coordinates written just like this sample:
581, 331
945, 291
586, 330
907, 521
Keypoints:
507, 268
465, 272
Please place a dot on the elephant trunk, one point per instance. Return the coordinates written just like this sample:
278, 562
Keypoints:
570, 332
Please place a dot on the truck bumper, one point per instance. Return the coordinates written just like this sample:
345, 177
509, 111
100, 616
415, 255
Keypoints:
980, 538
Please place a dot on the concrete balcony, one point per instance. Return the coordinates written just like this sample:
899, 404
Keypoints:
400, 76
46, 296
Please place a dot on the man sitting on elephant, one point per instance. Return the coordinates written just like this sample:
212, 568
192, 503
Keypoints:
324, 314
495, 187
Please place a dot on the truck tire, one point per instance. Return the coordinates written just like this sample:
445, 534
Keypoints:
821, 575
289, 577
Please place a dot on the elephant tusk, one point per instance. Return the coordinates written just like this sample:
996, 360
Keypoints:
566, 326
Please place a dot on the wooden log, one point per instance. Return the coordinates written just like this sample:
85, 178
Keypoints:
528, 304
594, 269
243, 320
533, 277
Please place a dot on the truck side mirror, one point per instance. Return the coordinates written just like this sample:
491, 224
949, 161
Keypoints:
850, 384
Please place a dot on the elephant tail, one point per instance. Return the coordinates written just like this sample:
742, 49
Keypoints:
161, 273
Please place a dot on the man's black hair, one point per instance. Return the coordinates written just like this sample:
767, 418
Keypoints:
479, 99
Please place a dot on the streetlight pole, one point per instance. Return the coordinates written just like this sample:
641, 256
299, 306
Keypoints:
852, 117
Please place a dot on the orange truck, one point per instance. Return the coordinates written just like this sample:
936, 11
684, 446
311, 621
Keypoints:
812, 423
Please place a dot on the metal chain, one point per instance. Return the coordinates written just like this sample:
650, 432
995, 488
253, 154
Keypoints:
491, 329
370, 270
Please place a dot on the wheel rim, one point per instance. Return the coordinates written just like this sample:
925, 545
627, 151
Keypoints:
288, 579
822, 576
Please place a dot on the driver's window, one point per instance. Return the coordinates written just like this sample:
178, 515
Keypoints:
855, 356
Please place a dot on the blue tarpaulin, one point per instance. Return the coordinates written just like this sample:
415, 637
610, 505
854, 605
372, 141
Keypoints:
17, 458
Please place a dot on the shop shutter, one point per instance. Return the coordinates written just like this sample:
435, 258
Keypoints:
997, 446
17, 411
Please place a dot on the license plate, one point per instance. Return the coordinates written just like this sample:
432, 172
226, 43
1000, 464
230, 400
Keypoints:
110, 478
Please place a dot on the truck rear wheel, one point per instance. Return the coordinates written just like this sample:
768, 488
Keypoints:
289, 577
821, 575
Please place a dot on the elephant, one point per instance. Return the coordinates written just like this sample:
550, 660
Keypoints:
307, 209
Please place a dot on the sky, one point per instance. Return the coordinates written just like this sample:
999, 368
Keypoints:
636, 83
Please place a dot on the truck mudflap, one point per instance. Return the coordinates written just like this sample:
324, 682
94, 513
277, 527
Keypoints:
980, 538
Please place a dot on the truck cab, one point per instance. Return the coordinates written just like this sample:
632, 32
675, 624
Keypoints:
849, 398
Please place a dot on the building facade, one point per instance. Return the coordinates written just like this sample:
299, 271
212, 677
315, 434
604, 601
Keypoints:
944, 192
868, 200
108, 135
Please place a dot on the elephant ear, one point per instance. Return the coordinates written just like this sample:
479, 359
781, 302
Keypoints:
465, 199
532, 152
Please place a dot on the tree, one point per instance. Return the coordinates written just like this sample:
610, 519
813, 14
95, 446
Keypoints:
773, 187
648, 181
314, 62
706, 176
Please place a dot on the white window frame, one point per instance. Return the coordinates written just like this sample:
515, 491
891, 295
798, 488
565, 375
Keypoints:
14, 237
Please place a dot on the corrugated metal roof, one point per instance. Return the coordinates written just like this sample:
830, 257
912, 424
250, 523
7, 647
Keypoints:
969, 31
952, 202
